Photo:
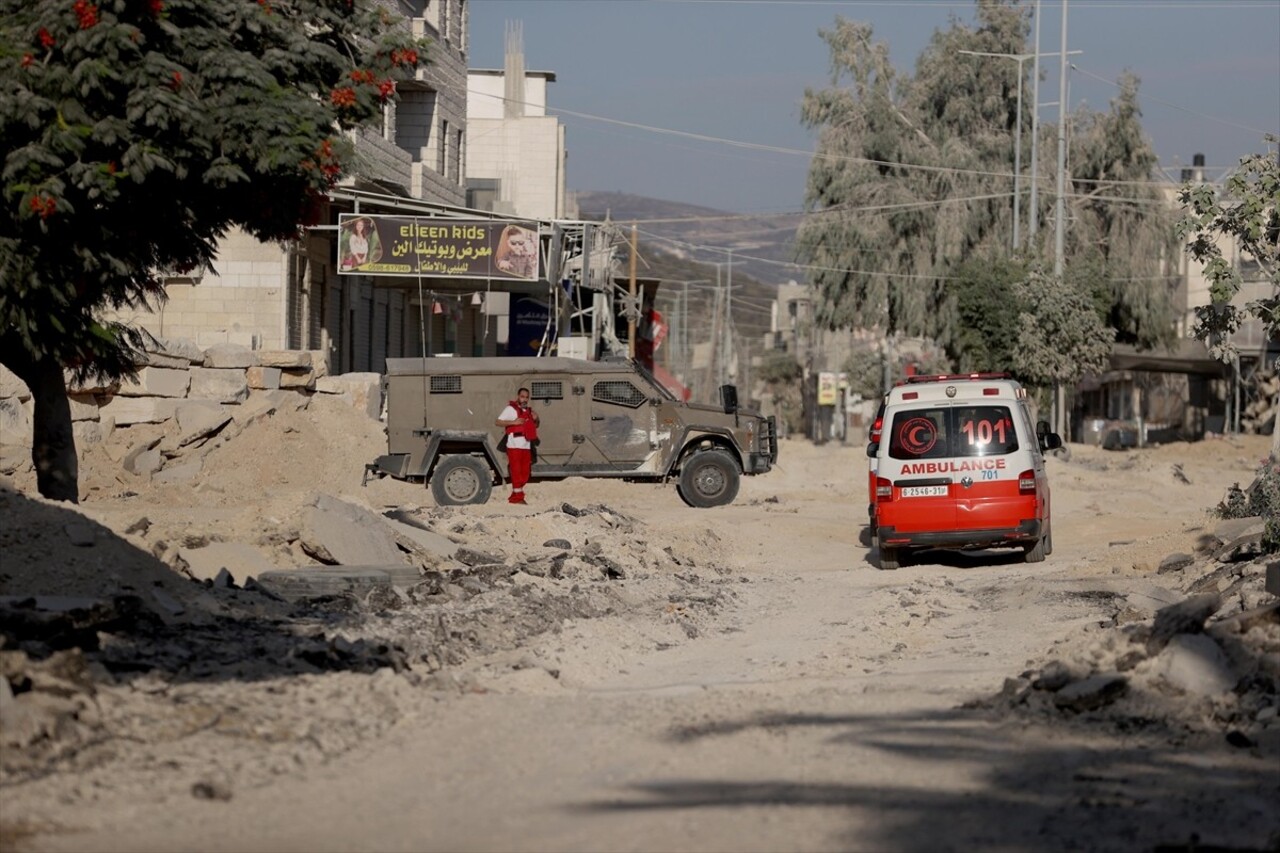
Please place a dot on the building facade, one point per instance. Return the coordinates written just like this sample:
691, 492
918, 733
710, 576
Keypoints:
290, 296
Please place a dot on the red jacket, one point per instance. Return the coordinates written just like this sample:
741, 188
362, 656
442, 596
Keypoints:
529, 429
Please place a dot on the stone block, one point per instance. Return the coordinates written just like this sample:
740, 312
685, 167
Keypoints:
319, 364
12, 386
84, 407
159, 359
284, 358
156, 382
91, 385
362, 390
263, 378
218, 384
229, 355
15, 423
125, 411
184, 348
87, 432
298, 381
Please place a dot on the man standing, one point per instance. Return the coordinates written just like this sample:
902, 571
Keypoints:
521, 424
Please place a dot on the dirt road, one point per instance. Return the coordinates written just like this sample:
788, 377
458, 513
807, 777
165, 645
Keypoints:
789, 697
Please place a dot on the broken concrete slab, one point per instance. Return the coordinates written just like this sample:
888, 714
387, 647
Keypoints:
337, 531
1195, 664
240, 560
199, 418
415, 538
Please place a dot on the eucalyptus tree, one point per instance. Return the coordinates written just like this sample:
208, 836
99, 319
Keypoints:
913, 178
912, 172
134, 134
1122, 239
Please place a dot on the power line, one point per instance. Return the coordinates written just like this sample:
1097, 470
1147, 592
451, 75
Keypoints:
1258, 131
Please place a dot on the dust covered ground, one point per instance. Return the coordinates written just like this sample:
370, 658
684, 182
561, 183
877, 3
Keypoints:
607, 669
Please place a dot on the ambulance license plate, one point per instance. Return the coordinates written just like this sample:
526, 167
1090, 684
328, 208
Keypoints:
924, 491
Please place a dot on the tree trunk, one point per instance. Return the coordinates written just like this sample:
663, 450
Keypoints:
53, 444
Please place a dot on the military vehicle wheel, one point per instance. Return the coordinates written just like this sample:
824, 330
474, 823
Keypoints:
709, 478
461, 479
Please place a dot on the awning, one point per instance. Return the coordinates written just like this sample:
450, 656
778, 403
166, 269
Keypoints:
1188, 356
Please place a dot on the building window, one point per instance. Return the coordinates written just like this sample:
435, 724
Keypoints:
442, 149
483, 193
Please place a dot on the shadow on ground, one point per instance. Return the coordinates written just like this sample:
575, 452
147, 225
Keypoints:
1009, 785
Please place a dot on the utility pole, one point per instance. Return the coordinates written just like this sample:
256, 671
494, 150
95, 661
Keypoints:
728, 319
1035, 129
1017, 147
1060, 204
632, 306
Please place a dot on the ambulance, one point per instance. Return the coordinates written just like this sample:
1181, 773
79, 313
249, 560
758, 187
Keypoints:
959, 464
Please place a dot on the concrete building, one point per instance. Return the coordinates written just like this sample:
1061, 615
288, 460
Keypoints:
1183, 392
516, 159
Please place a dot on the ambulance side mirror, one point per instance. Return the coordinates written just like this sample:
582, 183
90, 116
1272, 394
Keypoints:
1050, 441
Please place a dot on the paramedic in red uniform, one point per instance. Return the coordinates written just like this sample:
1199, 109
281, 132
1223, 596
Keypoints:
521, 424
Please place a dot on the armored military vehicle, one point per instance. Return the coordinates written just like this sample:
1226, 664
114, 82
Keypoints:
598, 419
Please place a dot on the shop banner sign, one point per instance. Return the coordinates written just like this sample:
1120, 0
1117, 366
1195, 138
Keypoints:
440, 248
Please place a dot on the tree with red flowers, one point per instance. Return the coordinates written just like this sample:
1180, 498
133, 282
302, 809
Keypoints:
134, 134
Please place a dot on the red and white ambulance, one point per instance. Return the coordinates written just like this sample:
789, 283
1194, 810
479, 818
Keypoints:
960, 465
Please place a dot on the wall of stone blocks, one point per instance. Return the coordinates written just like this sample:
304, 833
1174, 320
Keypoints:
188, 387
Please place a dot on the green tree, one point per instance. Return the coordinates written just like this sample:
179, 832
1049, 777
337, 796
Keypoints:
982, 297
1059, 336
1246, 213
135, 134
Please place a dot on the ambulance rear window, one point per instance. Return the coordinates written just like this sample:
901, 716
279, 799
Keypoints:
943, 431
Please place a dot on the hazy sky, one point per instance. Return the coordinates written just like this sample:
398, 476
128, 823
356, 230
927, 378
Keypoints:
736, 70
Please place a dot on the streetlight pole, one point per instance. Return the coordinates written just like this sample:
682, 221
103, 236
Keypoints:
1017, 146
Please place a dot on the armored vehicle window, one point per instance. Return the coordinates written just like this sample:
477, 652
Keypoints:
621, 392
546, 390
446, 384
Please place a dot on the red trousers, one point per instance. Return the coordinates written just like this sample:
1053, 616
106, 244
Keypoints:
519, 461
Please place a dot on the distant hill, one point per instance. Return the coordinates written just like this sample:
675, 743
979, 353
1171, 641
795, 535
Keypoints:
684, 243
762, 246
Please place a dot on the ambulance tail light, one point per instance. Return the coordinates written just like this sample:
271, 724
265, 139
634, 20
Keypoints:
884, 490
1027, 483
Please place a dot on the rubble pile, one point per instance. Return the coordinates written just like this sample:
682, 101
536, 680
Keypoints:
1196, 652
237, 658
